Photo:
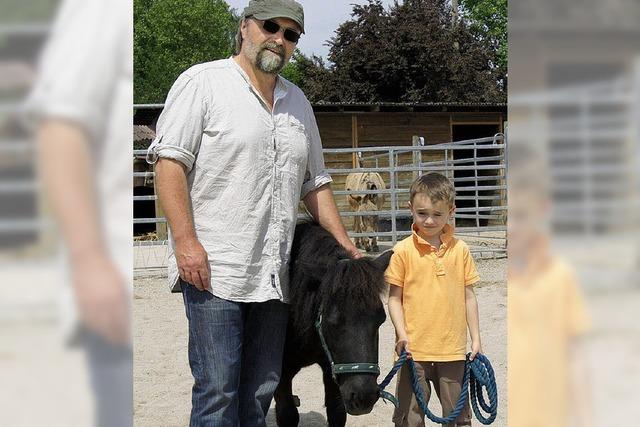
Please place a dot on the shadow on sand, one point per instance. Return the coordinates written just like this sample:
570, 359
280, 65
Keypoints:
308, 419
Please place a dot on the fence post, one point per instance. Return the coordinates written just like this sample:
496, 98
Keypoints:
394, 201
161, 227
354, 141
505, 172
417, 156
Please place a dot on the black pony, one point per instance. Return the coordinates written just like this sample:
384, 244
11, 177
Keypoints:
345, 295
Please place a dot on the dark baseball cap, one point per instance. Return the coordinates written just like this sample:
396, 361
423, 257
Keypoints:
269, 9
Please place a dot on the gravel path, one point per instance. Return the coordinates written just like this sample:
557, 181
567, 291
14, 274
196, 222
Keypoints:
163, 379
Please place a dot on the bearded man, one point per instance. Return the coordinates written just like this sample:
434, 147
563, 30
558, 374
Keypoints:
238, 147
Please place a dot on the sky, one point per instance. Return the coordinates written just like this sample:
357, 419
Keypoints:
321, 18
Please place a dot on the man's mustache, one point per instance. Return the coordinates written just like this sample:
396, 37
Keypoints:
276, 48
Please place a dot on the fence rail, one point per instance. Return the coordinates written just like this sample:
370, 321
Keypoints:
475, 166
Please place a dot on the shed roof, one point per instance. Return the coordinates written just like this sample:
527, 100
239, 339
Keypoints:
148, 113
408, 106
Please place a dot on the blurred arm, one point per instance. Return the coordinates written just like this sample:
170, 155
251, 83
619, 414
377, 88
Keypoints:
579, 384
64, 160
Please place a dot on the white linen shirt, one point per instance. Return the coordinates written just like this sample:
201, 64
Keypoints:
247, 168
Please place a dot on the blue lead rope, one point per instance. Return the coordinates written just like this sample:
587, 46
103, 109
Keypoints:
478, 375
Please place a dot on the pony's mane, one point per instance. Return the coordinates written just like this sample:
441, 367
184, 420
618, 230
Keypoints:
358, 283
321, 271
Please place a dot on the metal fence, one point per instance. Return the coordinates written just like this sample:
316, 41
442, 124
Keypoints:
477, 167
588, 135
20, 222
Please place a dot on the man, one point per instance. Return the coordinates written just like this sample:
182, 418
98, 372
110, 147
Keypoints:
238, 147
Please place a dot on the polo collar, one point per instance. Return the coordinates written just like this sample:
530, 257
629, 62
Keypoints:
445, 237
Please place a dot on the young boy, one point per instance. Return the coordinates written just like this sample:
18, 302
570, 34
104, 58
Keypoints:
431, 302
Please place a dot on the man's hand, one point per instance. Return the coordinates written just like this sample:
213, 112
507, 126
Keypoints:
193, 263
476, 347
102, 299
403, 344
353, 251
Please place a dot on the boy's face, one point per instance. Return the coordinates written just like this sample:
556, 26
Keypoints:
428, 216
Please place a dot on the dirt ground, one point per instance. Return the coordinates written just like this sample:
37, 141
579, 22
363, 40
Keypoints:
162, 379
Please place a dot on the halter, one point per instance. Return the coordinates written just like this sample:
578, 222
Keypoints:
344, 368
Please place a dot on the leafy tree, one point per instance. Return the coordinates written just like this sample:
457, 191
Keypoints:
170, 36
310, 74
293, 70
410, 53
489, 18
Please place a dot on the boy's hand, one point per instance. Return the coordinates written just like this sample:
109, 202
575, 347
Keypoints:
403, 344
476, 347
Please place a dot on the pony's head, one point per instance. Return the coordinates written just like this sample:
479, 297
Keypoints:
352, 312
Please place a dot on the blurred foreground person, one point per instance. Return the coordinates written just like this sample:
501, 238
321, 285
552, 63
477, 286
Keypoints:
80, 109
547, 375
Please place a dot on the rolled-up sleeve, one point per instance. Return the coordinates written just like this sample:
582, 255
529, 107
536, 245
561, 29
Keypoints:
73, 83
180, 125
315, 175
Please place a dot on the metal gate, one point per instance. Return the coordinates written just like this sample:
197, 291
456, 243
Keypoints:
477, 168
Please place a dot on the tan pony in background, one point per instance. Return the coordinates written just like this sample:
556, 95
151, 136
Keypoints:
365, 203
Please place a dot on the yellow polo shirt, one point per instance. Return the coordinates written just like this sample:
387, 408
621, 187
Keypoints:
433, 283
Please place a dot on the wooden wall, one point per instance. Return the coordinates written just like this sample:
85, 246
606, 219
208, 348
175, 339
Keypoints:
381, 129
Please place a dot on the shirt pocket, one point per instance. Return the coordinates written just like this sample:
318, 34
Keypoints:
295, 148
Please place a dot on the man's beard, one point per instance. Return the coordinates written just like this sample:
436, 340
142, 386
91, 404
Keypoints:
267, 61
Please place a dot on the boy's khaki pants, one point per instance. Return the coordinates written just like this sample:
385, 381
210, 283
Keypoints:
447, 381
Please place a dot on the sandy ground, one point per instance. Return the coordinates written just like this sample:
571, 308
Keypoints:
162, 379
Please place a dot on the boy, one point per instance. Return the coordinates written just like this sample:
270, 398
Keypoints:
430, 300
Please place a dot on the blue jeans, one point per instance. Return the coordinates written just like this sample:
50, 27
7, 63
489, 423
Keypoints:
235, 354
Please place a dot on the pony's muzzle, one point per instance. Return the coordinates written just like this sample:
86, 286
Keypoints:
361, 403
360, 400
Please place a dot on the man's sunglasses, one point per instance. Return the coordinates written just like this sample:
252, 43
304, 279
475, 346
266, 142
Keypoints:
273, 27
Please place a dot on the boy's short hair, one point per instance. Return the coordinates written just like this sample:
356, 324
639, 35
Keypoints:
435, 186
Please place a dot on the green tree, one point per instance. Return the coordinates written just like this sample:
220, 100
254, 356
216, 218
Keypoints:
172, 35
411, 52
489, 18
309, 74
293, 70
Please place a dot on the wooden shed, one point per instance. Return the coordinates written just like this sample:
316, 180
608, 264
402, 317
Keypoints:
365, 125
348, 125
